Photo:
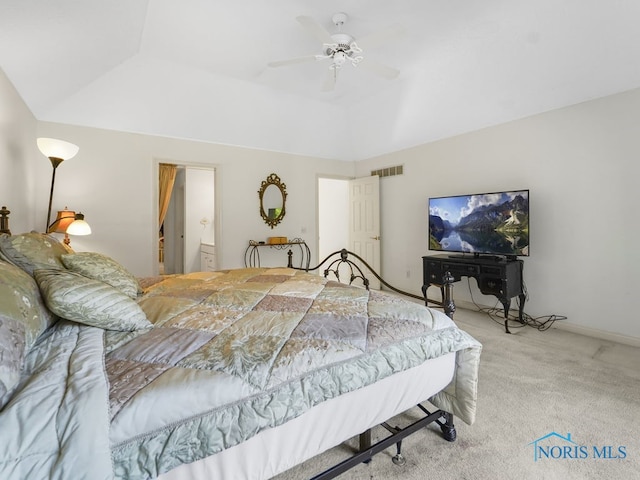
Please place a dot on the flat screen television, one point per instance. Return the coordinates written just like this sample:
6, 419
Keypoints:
482, 224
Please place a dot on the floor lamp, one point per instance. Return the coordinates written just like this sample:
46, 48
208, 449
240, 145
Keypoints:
57, 151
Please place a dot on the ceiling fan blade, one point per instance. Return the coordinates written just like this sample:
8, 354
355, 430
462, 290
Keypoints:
380, 37
315, 29
379, 68
293, 61
330, 80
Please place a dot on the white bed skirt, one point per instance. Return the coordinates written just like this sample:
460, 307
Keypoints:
324, 426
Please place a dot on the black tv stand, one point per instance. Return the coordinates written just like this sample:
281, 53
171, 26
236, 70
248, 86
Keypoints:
461, 255
498, 276
475, 256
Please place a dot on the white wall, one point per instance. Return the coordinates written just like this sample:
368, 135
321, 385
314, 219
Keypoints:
114, 179
18, 154
581, 166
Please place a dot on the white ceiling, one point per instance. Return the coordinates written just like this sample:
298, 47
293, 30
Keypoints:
197, 69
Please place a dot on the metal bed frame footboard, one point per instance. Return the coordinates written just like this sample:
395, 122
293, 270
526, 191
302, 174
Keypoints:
341, 258
444, 419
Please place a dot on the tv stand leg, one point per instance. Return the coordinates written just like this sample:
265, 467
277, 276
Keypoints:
506, 303
522, 298
447, 299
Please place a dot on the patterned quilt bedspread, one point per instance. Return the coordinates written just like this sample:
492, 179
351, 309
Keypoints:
231, 353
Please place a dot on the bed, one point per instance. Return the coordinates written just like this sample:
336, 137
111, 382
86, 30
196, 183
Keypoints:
231, 374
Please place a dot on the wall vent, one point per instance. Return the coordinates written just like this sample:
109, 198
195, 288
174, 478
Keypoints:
388, 171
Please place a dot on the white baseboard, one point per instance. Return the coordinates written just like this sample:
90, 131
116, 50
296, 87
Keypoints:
574, 328
597, 333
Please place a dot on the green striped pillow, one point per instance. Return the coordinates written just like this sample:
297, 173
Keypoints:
91, 302
103, 268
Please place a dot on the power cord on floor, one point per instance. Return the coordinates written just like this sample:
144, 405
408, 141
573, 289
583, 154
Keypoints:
496, 313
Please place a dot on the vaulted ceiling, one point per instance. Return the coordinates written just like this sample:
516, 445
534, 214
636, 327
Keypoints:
198, 69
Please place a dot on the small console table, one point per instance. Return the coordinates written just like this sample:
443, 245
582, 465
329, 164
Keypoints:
496, 276
252, 253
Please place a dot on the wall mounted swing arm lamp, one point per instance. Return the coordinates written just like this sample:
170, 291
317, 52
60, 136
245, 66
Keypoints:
57, 151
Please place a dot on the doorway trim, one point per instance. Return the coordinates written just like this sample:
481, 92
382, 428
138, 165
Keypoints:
218, 183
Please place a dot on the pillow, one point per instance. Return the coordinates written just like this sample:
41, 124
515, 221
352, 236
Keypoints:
33, 250
105, 269
23, 317
91, 302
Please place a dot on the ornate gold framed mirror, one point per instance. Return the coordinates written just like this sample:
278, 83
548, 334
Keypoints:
273, 196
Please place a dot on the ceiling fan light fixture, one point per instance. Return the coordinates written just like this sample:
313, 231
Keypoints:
343, 40
339, 58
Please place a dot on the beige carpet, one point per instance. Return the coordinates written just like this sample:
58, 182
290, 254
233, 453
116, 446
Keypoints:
531, 384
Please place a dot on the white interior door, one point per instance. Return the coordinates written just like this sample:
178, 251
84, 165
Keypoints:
364, 222
174, 228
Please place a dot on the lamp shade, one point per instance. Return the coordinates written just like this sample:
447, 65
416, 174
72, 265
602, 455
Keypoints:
54, 148
79, 226
63, 220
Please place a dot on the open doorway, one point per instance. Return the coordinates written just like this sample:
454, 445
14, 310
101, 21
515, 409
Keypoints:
333, 215
189, 222
349, 217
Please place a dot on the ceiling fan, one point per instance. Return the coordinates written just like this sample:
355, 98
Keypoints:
341, 48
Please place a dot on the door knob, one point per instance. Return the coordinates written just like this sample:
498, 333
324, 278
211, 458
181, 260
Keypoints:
377, 237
